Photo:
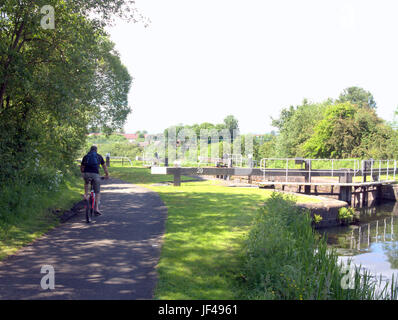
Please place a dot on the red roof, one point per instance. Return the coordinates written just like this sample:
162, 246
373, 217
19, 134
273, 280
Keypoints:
130, 135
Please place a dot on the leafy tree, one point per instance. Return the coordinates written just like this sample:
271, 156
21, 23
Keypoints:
358, 96
296, 125
55, 84
336, 135
379, 141
348, 131
206, 126
141, 134
267, 149
231, 123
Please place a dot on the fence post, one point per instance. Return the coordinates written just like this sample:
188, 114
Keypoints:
287, 170
371, 168
307, 189
108, 160
177, 177
346, 191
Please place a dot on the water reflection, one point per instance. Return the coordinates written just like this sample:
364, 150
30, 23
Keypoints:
373, 243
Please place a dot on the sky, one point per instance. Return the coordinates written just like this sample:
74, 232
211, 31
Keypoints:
201, 60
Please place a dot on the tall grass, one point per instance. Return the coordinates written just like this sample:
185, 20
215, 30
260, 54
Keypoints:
286, 259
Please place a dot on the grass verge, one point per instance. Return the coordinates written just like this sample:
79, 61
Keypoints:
34, 215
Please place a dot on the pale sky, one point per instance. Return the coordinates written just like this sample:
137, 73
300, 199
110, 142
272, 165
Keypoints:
201, 60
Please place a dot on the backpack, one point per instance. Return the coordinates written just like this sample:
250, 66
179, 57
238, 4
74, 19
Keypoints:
92, 159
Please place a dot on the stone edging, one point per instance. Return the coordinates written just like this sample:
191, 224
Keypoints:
328, 209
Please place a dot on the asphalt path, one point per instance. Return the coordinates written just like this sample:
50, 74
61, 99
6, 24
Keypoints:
115, 257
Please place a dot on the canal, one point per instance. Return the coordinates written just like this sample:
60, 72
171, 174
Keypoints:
372, 243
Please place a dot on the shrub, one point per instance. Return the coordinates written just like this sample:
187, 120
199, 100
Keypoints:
317, 218
23, 193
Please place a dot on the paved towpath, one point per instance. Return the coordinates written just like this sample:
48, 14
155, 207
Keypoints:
115, 257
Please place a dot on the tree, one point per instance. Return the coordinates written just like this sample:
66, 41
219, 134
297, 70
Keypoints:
348, 131
296, 125
54, 84
231, 123
267, 149
357, 96
141, 134
336, 135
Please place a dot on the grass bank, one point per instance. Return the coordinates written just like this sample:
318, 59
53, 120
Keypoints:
205, 231
32, 215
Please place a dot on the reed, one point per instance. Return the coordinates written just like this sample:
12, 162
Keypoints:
286, 259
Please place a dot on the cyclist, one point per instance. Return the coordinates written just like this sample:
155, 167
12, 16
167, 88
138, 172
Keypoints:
90, 171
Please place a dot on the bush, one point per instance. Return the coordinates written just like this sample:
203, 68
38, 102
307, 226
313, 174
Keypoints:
286, 259
317, 219
22, 193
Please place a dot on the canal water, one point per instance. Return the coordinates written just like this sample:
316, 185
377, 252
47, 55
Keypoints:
372, 243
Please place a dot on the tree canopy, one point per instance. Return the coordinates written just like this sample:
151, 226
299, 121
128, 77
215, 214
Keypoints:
358, 96
296, 125
344, 128
232, 124
56, 83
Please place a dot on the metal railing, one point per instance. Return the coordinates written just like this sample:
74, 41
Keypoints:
122, 160
329, 167
377, 169
118, 159
235, 160
149, 161
208, 161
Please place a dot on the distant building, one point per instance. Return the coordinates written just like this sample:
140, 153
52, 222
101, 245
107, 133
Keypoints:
131, 137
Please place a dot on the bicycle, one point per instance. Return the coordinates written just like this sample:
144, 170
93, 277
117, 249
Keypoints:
91, 201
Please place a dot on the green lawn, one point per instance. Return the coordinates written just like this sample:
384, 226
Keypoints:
206, 225
140, 175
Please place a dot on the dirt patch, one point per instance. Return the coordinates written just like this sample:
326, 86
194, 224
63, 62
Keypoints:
65, 215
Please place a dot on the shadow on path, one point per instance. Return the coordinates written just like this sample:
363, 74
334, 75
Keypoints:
115, 257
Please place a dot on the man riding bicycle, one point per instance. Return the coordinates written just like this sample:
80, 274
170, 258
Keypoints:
90, 171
